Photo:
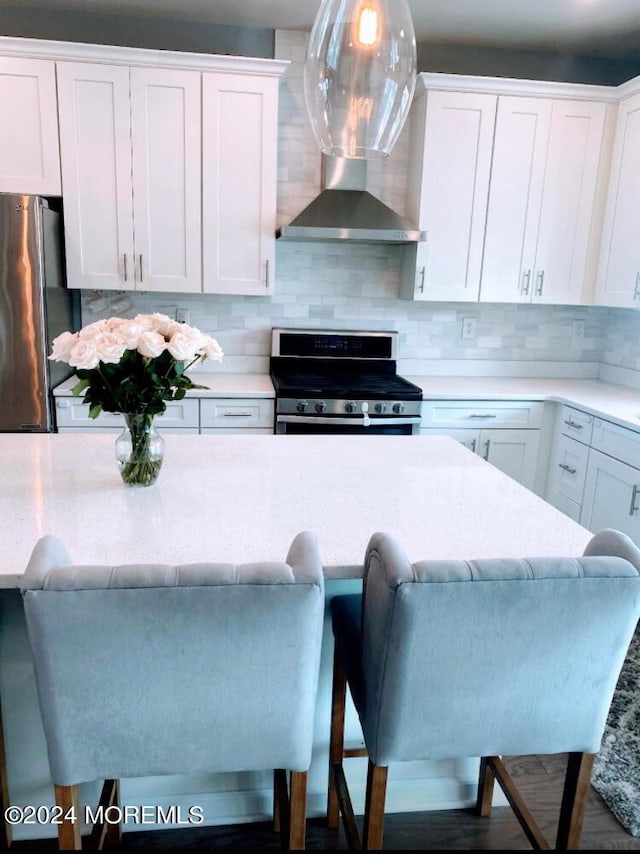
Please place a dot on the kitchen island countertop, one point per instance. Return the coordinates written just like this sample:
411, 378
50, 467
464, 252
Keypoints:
243, 498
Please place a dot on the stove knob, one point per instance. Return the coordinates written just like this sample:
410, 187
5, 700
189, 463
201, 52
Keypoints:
351, 406
398, 408
302, 405
321, 406
381, 407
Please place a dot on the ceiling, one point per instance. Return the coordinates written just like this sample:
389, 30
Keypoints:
598, 27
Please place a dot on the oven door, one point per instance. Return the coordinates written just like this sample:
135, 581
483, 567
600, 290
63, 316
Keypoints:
358, 424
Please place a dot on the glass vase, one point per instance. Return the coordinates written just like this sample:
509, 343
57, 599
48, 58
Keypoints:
139, 450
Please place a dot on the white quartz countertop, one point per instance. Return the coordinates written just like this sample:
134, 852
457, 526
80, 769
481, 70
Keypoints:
243, 498
217, 385
607, 400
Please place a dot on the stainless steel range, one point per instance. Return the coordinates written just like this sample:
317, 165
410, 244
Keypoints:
341, 382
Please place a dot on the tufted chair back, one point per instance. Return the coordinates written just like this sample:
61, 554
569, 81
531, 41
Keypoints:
151, 669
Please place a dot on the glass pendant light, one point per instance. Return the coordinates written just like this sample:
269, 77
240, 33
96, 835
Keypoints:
360, 75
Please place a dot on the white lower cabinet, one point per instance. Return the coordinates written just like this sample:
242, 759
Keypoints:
568, 469
511, 441
191, 415
72, 416
594, 473
612, 486
611, 496
231, 414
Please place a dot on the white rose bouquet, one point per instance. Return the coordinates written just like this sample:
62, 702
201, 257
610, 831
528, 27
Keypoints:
134, 366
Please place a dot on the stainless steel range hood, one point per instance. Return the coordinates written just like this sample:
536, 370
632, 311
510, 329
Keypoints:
344, 210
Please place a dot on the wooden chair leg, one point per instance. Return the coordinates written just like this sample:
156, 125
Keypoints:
574, 800
6, 835
69, 838
336, 743
374, 807
297, 810
485, 787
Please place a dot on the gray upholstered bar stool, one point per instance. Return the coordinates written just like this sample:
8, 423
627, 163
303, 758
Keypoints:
488, 658
150, 670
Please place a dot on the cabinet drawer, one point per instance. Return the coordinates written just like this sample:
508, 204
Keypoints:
73, 412
616, 441
569, 468
482, 413
575, 423
236, 412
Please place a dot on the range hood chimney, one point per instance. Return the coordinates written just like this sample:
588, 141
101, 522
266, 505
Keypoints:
344, 210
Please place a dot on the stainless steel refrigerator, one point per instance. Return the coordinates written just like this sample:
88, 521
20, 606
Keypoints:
35, 306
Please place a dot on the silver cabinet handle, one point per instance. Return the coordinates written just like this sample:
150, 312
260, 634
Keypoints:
634, 495
473, 445
567, 468
526, 282
636, 290
140, 263
236, 415
573, 424
540, 284
422, 275
266, 273
126, 275
486, 450
482, 416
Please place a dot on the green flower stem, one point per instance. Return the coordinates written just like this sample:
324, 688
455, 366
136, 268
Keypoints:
141, 469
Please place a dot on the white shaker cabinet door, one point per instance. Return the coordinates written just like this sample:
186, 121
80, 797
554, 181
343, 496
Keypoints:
611, 496
450, 164
515, 452
29, 150
166, 145
619, 270
95, 144
240, 116
564, 231
515, 198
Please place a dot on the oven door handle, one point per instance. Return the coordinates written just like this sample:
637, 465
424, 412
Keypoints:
358, 421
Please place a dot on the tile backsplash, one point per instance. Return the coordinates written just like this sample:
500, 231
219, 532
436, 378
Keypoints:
356, 286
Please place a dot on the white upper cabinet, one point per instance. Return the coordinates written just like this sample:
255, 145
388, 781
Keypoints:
619, 271
29, 151
449, 164
130, 152
240, 129
95, 130
544, 175
167, 177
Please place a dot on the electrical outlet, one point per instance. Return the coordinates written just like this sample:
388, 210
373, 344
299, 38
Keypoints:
182, 315
578, 331
468, 327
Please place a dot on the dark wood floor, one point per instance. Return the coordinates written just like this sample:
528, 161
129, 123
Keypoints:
539, 780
